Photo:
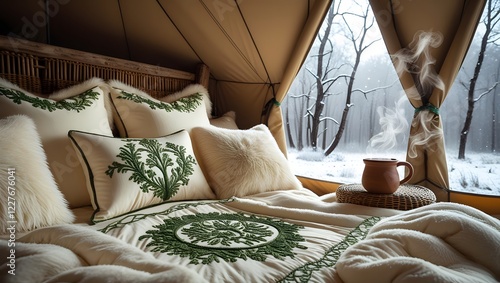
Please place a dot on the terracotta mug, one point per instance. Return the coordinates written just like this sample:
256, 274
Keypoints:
380, 175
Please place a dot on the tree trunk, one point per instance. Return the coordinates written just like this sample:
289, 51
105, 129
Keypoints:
494, 123
291, 144
343, 121
320, 95
472, 86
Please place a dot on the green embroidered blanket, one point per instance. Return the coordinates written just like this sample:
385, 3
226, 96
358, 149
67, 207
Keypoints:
245, 240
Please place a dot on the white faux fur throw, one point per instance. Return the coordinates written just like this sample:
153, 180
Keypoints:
71, 253
443, 242
33, 192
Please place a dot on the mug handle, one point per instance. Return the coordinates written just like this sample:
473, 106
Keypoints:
410, 171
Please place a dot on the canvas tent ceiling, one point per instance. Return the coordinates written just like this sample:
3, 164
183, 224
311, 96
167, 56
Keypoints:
247, 44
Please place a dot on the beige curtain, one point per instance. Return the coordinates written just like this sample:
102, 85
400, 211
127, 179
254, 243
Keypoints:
451, 24
275, 120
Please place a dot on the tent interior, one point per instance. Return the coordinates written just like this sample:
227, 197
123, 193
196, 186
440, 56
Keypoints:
253, 49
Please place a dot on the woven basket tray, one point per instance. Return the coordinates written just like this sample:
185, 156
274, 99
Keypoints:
405, 198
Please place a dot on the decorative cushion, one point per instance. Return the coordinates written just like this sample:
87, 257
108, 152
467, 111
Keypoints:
84, 110
138, 115
242, 162
227, 121
188, 91
80, 88
29, 194
128, 174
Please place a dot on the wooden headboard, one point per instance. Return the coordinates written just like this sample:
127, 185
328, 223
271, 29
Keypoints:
42, 69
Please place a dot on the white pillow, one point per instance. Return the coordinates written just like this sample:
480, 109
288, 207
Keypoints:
227, 121
242, 162
84, 110
138, 115
28, 190
188, 91
117, 186
80, 88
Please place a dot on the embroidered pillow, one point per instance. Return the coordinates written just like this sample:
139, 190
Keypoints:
69, 92
188, 91
242, 162
131, 173
29, 194
139, 115
84, 110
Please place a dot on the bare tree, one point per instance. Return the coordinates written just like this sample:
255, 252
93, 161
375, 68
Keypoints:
494, 113
320, 76
288, 128
359, 45
327, 79
300, 106
490, 21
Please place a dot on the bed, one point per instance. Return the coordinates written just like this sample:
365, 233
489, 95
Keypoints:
118, 171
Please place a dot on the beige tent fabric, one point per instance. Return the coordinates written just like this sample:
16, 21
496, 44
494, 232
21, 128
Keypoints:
248, 45
400, 21
275, 121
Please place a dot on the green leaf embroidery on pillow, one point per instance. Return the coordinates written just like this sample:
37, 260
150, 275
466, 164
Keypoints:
157, 156
77, 103
185, 104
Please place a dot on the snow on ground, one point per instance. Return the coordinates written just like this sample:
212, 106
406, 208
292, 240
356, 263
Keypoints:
478, 173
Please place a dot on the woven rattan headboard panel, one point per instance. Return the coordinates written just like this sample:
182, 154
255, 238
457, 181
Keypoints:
42, 69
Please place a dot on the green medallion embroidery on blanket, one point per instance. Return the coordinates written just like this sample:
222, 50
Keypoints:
185, 104
206, 238
77, 103
159, 158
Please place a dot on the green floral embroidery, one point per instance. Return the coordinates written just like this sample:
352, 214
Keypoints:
158, 157
205, 238
185, 104
77, 103
329, 259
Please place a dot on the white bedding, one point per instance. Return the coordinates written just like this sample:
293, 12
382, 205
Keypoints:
281, 236
444, 242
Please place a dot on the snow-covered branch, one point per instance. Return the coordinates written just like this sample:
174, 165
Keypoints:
330, 119
481, 95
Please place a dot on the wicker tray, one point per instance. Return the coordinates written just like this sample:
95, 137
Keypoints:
405, 198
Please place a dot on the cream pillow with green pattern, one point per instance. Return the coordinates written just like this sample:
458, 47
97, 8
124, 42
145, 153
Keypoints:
131, 173
84, 110
138, 115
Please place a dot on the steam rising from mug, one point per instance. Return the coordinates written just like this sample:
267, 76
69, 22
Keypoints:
393, 123
417, 61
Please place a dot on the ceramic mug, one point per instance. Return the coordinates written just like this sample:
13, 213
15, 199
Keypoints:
381, 175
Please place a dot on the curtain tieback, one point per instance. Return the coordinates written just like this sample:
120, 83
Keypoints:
428, 107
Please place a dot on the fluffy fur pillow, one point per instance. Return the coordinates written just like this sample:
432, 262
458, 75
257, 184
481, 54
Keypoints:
83, 110
34, 194
138, 115
242, 162
128, 174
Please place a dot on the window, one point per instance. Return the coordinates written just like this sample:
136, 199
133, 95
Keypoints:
356, 78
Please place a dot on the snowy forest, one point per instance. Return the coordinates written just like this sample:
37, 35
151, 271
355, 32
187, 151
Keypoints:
347, 93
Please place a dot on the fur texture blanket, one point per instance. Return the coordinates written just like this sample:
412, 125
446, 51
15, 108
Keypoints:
443, 242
